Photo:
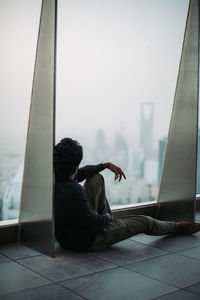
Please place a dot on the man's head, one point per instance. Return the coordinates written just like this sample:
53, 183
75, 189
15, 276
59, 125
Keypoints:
67, 157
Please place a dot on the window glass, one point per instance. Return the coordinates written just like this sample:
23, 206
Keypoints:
19, 22
117, 66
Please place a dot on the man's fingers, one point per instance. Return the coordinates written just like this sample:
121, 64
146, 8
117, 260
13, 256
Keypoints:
120, 177
123, 175
119, 174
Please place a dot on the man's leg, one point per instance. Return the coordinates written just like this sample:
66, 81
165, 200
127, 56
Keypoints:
124, 228
95, 189
145, 224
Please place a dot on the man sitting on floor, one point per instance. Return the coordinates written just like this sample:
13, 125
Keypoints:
83, 219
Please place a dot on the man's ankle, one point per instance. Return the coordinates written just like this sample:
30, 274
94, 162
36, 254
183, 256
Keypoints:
184, 227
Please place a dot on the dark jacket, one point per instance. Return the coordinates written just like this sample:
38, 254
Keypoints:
76, 224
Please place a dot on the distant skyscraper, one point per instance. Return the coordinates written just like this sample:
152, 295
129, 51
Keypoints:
150, 171
11, 197
161, 155
146, 128
135, 157
121, 151
100, 140
100, 146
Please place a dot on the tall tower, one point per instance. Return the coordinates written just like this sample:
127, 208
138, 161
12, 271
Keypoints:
100, 140
146, 128
100, 147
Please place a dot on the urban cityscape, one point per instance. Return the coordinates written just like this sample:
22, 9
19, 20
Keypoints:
141, 164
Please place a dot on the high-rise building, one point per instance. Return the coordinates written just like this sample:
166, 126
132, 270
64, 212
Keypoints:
121, 151
150, 171
135, 158
100, 146
161, 155
100, 140
146, 128
11, 197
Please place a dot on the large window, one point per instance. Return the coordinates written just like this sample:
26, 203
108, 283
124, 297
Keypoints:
117, 66
19, 22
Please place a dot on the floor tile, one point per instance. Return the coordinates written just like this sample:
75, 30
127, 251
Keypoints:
125, 254
3, 258
71, 255
14, 277
127, 242
146, 239
57, 269
53, 292
16, 251
117, 284
177, 270
178, 295
194, 289
194, 252
170, 243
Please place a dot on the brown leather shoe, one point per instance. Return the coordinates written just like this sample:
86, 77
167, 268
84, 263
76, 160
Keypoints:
187, 227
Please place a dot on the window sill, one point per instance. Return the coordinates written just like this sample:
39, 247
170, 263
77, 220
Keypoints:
9, 223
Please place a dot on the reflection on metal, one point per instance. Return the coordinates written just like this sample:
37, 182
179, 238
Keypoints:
176, 199
36, 213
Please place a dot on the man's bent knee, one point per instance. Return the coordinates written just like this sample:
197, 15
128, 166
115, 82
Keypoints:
96, 179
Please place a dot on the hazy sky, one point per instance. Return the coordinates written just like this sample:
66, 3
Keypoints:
112, 55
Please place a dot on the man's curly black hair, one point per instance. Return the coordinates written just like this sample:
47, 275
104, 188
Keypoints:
67, 157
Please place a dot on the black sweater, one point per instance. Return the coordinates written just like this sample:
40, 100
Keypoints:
76, 224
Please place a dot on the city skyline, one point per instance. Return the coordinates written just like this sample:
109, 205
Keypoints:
142, 165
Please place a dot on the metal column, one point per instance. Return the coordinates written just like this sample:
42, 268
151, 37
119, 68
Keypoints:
176, 198
36, 211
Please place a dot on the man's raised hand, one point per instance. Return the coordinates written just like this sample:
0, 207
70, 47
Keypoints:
118, 172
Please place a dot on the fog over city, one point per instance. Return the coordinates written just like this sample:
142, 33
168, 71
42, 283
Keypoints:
117, 66
111, 56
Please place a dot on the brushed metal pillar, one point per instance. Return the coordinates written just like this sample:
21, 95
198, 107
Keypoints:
177, 193
37, 211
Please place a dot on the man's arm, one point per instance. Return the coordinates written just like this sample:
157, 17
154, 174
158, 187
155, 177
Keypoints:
85, 216
90, 170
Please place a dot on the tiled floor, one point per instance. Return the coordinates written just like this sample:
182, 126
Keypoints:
142, 267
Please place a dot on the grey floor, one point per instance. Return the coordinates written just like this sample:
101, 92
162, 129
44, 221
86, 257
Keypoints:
142, 267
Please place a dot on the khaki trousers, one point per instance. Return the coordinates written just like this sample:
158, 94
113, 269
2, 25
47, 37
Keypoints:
121, 228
